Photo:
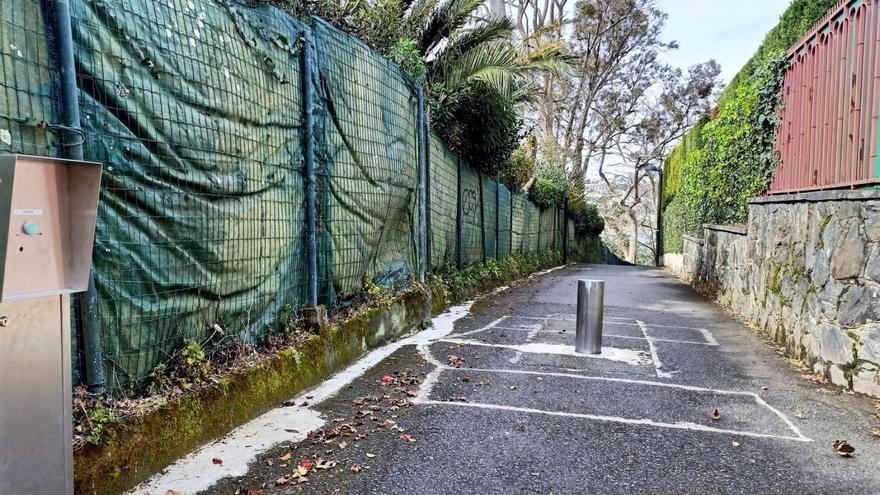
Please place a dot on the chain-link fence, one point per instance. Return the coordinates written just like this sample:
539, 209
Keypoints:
213, 119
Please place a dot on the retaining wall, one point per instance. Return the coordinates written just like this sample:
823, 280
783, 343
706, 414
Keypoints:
806, 270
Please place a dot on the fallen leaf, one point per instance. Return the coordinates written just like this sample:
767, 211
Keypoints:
306, 464
370, 455
322, 464
282, 480
285, 457
217, 460
716, 415
343, 445
843, 448
455, 361
406, 437
735, 444
173, 492
355, 468
387, 379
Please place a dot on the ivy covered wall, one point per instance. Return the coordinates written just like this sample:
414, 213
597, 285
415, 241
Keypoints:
723, 162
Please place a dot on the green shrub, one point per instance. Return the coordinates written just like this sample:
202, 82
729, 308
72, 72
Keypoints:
521, 165
482, 125
549, 187
720, 164
406, 54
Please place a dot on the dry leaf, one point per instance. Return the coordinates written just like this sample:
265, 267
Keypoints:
217, 460
173, 492
285, 457
355, 468
343, 445
282, 480
735, 444
322, 464
843, 448
370, 455
407, 438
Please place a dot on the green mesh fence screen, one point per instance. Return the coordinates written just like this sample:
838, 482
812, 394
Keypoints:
367, 119
196, 111
26, 101
504, 212
443, 203
471, 212
490, 189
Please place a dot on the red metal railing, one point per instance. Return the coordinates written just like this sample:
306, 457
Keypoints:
828, 134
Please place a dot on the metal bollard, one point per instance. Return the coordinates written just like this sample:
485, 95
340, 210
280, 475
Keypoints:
590, 304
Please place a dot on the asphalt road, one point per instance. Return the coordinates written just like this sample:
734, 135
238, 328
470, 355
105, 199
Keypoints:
503, 405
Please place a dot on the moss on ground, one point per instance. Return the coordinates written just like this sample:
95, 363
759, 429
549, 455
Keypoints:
137, 446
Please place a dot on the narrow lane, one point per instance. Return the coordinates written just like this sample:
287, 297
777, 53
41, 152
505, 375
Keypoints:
502, 404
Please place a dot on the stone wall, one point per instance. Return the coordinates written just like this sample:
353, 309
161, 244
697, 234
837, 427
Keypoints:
806, 271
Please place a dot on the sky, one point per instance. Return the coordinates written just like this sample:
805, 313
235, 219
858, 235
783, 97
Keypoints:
728, 31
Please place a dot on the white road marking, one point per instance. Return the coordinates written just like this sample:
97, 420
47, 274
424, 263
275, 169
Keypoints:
684, 425
629, 356
709, 340
708, 336
197, 472
654, 357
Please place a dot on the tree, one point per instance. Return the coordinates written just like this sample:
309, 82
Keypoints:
608, 37
657, 106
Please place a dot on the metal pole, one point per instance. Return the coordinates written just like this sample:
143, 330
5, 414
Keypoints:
510, 248
72, 138
658, 238
458, 214
497, 215
420, 123
310, 179
565, 230
590, 304
482, 218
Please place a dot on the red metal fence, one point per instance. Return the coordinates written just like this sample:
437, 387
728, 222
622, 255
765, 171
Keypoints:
828, 135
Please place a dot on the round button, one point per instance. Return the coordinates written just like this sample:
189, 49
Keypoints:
30, 228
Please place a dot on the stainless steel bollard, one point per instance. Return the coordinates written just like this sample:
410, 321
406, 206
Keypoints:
591, 301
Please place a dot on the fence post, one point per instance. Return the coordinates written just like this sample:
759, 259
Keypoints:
458, 213
420, 160
482, 219
497, 215
565, 230
539, 228
310, 179
510, 249
86, 303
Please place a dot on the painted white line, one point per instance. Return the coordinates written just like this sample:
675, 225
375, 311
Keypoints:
709, 340
615, 419
614, 320
658, 365
691, 388
708, 336
487, 327
784, 418
653, 325
197, 472
629, 356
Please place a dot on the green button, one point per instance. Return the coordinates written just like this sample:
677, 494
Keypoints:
30, 228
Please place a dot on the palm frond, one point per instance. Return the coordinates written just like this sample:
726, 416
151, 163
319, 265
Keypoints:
495, 64
446, 18
496, 29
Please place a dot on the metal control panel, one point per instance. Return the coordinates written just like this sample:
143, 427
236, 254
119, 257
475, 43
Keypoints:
48, 211
47, 225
